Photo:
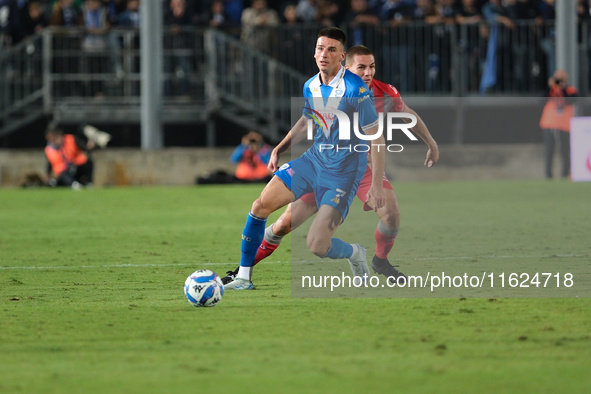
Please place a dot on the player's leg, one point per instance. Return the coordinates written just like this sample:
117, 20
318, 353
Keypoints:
284, 225
388, 225
274, 196
387, 228
275, 232
321, 242
385, 235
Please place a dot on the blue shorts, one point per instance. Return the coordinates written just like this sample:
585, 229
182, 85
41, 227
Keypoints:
302, 176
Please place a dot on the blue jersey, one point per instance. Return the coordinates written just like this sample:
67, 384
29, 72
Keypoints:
347, 93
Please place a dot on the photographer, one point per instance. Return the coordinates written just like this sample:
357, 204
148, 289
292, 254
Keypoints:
69, 165
555, 120
252, 156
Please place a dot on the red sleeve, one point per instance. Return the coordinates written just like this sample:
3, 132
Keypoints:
390, 91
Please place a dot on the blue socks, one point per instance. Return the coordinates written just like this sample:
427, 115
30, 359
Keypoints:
252, 236
339, 249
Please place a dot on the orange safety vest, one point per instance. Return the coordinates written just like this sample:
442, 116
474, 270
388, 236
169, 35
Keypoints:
251, 167
69, 153
557, 114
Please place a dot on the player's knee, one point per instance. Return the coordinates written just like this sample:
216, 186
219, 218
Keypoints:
282, 226
391, 216
317, 247
260, 209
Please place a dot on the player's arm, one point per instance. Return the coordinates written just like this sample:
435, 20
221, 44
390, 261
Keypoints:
376, 195
295, 135
423, 132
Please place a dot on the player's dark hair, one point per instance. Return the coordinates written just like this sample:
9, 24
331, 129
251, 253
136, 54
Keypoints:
334, 33
357, 50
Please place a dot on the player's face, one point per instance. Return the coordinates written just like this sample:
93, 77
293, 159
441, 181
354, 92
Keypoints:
329, 54
364, 66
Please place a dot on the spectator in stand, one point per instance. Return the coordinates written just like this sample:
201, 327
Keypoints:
290, 15
396, 12
439, 59
583, 12
291, 42
130, 19
114, 10
362, 21
547, 33
445, 13
423, 10
94, 43
329, 13
252, 157
5, 23
35, 21
495, 14
18, 19
424, 58
65, 13
523, 9
233, 9
131, 16
178, 66
216, 16
258, 15
398, 49
469, 15
494, 11
524, 41
97, 25
307, 10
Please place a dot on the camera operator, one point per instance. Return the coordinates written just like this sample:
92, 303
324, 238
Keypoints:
252, 156
555, 120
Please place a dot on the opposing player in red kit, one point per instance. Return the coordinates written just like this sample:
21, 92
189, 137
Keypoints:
359, 60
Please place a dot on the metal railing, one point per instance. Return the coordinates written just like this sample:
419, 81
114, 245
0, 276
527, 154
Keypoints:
241, 80
207, 73
436, 59
76, 77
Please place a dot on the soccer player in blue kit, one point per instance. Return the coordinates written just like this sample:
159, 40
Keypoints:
332, 174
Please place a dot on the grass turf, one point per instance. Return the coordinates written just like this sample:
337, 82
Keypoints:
91, 297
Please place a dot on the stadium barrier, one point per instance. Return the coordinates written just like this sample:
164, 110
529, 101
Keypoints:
127, 167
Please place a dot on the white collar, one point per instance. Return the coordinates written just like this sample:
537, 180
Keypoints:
335, 81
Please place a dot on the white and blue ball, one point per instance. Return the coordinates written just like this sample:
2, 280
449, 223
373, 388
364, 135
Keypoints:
204, 288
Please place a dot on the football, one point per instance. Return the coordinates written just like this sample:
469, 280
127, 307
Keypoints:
204, 288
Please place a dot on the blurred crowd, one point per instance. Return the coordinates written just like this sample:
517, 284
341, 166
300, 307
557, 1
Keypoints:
525, 43
21, 18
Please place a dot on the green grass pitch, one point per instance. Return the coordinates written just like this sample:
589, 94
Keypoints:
91, 297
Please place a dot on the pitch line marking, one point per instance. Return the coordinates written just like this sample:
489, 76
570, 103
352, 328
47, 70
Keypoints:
6, 268
124, 266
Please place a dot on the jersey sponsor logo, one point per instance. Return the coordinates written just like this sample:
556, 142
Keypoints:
340, 194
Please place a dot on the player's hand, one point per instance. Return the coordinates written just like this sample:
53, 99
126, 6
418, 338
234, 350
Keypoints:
273, 161
432, 156
376, 197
